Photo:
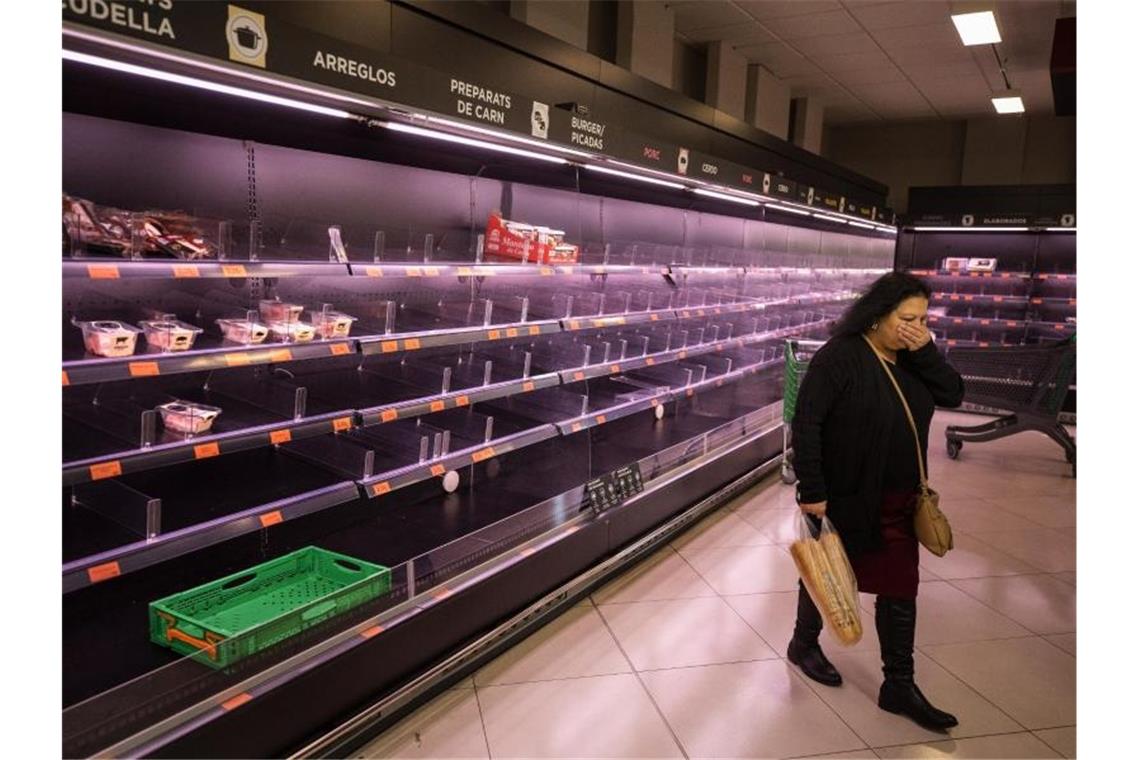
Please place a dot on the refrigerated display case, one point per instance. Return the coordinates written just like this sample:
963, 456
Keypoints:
1029, 296
451, 419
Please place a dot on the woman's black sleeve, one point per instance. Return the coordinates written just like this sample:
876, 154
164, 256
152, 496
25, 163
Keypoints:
943, 381
817, 394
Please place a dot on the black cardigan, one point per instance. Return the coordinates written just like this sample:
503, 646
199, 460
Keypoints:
842, 429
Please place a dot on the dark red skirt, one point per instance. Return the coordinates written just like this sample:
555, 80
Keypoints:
893, 569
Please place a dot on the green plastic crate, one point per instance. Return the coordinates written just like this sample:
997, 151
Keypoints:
233, 617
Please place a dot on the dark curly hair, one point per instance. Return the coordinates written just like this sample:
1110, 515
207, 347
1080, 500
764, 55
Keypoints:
884, 295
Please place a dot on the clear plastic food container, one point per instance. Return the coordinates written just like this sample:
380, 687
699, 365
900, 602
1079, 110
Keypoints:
170, 334
332, 324
293, 332
243, 330
187, 417
109, 338
279, 311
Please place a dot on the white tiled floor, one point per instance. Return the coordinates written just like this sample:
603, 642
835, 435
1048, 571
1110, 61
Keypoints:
684, 655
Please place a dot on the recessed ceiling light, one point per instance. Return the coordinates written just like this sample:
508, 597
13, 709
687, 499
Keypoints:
977, 28
1008, 102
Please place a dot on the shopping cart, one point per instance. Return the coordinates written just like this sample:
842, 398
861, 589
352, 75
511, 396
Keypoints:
797, 356
1029, 382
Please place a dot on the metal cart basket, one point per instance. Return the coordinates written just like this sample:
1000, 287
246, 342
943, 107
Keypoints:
797, 356
1029, 382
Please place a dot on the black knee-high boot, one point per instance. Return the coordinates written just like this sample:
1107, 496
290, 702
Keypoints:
895, 622
804, 650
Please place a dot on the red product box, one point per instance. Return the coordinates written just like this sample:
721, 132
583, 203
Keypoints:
506, 240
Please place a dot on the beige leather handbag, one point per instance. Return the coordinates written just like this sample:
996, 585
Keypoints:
930, 523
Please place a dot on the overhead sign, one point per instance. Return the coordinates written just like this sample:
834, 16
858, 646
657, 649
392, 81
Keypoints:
236, 35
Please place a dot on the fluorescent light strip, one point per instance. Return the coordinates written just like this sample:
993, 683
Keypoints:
448, 137
69, 31
1060, 229
788, 209
643, 169
971, 229
865, 226
202, 84
726, 197
504, 136
638, 177
831, 218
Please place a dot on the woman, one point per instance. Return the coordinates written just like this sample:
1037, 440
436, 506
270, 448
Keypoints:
856, 462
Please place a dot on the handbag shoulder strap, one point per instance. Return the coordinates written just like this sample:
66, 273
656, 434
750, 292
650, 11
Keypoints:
906, 408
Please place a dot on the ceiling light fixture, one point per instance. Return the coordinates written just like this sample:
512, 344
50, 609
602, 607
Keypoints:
638, 177
202, 84
726, 197
1008, 101
448, 137
977, 27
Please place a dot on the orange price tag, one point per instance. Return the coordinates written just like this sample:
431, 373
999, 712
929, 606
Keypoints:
650, 361
66, 379
985, 321
368, 633
237, 360
234, 703
104, 572
103, 271
546, 271
412, 344
464, 271
389, 346
340, 424
957, 321
462, 401
683, 355
999, 299
955, 297
437, 406
654, 317
106, 470
233, 270
535, 329
600, 419
493, 334
143, 369
206, 450
388, 415
654, 402
413, 272
281, 355
689, 392
431, 271
575, 427
339, 349
575, 324
1011, 324
528, 387
700, 312
483, 454
280, 436
442, 594
381, 488
579, 375
438, 469
271, 518
374, 271
186, 270
512, 332
614, 368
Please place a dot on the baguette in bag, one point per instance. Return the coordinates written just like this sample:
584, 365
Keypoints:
830, 582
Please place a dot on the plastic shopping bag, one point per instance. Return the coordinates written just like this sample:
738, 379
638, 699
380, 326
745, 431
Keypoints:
826, 572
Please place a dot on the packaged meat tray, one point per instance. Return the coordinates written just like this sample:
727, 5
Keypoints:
109, 338
243, 331
187, 417
279, 311
332, 324
292, 332
169, 334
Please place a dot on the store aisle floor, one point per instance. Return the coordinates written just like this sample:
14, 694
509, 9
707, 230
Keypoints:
684, 655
